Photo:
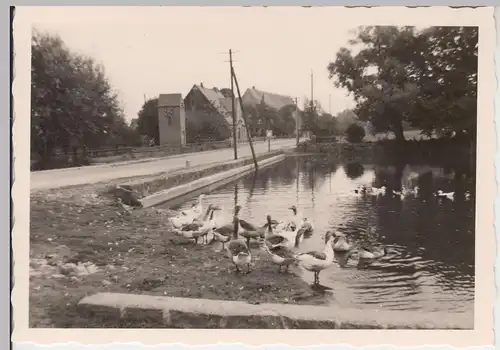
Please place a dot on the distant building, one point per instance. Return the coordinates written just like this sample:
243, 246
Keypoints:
199, 97
171, 120
253, 97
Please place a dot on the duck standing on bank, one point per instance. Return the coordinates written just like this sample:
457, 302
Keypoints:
250, 231
281, 256
238, 251
188, 216
273, 240
318, 261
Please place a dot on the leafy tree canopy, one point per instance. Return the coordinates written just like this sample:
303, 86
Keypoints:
426, 78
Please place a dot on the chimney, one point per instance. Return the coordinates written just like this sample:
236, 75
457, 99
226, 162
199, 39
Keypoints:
201, 84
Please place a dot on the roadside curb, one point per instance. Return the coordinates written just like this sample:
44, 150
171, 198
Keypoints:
218, 179
170, 312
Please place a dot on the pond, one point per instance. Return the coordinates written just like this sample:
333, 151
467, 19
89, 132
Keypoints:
431, 241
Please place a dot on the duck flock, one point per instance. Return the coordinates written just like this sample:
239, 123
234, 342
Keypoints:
366, 191
280, 239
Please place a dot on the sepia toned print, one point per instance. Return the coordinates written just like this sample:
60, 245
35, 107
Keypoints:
253, 182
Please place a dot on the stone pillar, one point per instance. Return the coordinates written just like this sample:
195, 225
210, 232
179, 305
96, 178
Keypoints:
171, 120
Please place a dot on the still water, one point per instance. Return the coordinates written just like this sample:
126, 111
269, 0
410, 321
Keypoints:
431, 241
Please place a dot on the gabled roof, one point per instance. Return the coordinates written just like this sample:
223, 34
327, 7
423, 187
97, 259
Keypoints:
272, 100
217, 99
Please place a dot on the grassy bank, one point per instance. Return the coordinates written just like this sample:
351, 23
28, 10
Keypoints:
131, 252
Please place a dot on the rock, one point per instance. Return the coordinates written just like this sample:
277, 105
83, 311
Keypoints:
68, 269
75, 279
106, 283
58, 276
92, 268
38, 262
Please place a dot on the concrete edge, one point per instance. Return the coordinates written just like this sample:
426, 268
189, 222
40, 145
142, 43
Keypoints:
184, 170
173, 312
220, 179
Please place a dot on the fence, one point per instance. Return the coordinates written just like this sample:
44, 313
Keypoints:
109, 155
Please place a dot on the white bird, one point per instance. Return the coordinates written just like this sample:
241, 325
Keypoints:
447, 195
378, 191
318, 261
292, 223
188, 216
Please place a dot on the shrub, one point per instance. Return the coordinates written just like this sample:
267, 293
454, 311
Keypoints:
355, 133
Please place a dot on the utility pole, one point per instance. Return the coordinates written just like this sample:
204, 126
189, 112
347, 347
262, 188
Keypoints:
297, 116
249, 135
312, 89
233, 112
330, 104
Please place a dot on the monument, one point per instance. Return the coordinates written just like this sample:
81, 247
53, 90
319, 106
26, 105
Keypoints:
171, 120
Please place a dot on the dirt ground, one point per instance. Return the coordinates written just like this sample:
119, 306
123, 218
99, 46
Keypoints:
132, 252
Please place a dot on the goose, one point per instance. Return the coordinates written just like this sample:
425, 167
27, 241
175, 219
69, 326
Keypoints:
307, 226
292, 223
371, 253
281, 256
250, 231
200, 228
341, 243
273, 240
317, 261
293, 238
224, 233
237, 249
447, 195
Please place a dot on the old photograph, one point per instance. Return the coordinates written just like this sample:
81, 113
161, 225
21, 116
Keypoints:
225, 168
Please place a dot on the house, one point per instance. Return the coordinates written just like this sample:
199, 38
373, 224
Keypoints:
200, 97
253, 97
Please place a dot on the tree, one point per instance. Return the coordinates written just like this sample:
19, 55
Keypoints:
147, 120
355, 133
344, 119
72, 102
379, 75
284, 124
226, 92
447, 102
426, 78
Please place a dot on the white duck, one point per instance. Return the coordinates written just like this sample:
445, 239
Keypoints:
318, 261
292, 223
188, 216
274, 239
200, 228
378, 191
447, 195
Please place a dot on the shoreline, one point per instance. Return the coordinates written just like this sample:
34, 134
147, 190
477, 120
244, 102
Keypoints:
132, 252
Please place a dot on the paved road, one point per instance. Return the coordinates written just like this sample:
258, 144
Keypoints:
96, 173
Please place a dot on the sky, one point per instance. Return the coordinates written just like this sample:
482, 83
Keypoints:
153, 50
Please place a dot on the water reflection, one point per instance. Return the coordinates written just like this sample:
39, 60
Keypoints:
431, 264
354, 170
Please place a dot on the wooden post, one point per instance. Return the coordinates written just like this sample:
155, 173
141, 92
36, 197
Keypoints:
233, 114
245, 119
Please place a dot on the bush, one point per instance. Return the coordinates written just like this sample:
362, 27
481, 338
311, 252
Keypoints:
355, 133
